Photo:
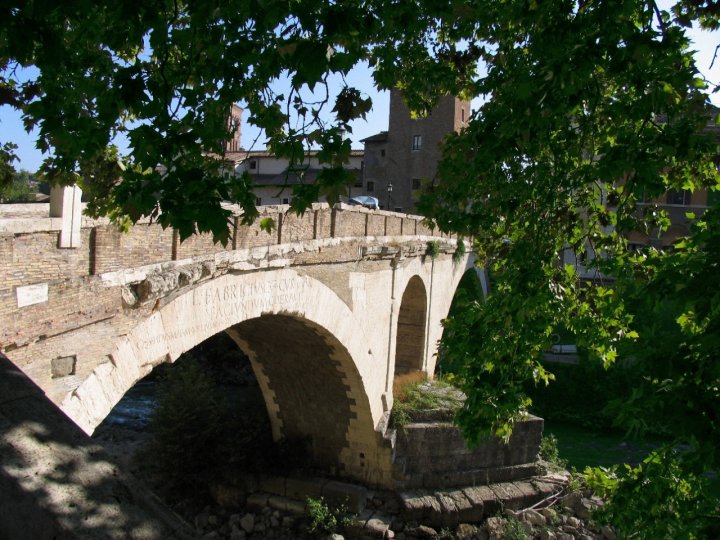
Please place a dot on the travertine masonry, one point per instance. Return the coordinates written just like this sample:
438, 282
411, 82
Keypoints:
316, 301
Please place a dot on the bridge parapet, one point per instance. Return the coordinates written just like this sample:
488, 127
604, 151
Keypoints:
46, 290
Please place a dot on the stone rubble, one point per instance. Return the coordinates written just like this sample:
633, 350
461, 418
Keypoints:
561, 516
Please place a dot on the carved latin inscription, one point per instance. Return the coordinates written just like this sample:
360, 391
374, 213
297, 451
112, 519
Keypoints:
214, 306
228, 301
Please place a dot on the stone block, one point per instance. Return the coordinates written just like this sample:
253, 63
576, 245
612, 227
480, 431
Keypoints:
272, 484
415, 506
528, 493
467, 513
63, 366
258, 501
377, 526
434, 512
301, 488
513, 497
449, 510
351, 495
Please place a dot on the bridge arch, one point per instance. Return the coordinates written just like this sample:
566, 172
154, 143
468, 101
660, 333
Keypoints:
411, 327
308, 380
294, 329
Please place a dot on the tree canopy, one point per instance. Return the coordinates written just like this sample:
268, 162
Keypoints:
590, 109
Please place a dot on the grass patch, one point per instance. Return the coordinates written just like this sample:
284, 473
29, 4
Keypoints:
585, 447
414, 392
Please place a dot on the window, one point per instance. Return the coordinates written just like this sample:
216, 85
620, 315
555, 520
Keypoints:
253, 164
398, 209
416, 183
462, 115
416, 142
258, 201
382, 153
679, 197
371, 187
286, 200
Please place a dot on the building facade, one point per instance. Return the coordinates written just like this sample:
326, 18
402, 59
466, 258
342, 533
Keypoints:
399, 160
273, 180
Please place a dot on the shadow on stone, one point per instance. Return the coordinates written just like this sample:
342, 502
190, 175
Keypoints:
55, 483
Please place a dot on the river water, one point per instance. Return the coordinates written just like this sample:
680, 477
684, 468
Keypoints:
135, 409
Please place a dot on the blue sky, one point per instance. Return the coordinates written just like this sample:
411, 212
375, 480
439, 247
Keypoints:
11, 128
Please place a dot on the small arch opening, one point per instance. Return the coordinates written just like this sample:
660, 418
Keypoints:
410, 341
469, 289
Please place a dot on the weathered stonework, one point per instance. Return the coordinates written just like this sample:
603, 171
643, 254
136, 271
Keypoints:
319, 304
435, 455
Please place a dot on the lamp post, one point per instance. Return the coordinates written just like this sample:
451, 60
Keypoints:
389, 191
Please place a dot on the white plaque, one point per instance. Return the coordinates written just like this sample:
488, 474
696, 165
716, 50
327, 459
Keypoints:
32, 294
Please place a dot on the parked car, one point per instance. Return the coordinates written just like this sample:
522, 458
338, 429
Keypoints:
366, 201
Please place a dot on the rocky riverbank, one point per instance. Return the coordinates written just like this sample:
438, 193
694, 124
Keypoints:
254, 506
263, 512
562, 515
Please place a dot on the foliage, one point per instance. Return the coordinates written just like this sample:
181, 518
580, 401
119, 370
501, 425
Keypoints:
199, 429
593, 108
7, 156
165, 75
324, 518
550, 453
460, 250
185, 425
19, 189
513, 529
588, 395
590, 108
432, 249
657, 499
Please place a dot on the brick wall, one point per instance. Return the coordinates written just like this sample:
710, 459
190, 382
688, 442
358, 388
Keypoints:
76, 297
145, 244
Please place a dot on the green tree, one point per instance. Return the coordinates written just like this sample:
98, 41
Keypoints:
593, 106
590, 106
20, 188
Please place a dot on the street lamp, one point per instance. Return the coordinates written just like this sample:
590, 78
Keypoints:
389, 191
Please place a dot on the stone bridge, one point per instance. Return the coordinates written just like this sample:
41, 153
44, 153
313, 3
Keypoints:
328, 306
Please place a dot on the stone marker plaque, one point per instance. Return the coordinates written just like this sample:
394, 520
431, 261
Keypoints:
32, 294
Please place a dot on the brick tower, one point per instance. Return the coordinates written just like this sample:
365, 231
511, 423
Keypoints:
408, 153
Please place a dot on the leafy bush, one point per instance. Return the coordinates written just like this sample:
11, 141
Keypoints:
18, 189
324, 518
432, 249
550, 453
513, 529
662, 498
201, 430
584, 394
185, 426
459, 251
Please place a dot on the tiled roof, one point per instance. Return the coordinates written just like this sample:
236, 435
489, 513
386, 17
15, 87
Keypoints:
378, 137
242, 155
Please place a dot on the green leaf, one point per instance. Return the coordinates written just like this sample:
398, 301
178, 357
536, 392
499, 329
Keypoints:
267, 224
